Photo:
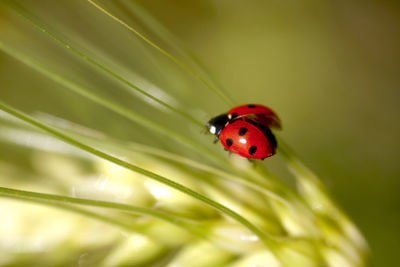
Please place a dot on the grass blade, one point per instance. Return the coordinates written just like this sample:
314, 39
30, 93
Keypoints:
187, 68
270, 243
127, 113
104, 68
70, 202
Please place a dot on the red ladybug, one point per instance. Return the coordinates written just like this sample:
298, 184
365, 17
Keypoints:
245, 133
258, 113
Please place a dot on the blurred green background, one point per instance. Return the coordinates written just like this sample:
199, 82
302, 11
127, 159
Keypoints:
329, 68
332, 71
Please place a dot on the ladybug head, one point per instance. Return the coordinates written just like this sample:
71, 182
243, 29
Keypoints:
216, 124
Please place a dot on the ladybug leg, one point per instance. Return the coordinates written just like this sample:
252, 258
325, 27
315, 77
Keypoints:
216, 140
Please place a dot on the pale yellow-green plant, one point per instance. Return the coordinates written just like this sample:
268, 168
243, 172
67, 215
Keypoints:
100, 140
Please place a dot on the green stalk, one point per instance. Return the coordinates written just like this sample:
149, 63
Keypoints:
104, 68
115, 107
268, 241
65, 203
46, 199
184, 66
170, 39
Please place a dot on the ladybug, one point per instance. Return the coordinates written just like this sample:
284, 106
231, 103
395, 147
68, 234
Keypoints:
244, 130
259, 113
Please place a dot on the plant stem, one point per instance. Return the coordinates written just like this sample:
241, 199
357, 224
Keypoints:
268, 241
208, 84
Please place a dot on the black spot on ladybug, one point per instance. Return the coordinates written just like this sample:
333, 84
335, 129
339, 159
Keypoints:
251, 106
252, 150
229, 142
234, 115
270, 137
242, 131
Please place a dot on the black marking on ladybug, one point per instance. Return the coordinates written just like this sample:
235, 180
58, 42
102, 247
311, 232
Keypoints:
216, 124
270, 137
252, 150
242, 131
251, 106
267, 133
229, 142
234, 115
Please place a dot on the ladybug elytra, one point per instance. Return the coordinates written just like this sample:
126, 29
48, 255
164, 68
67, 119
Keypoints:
244, 130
